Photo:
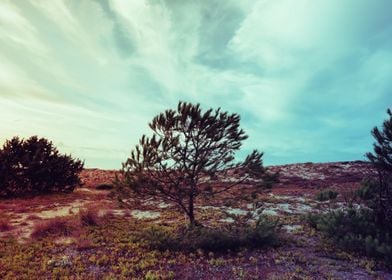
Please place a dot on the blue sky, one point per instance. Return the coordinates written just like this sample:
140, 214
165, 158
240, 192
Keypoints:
309, 78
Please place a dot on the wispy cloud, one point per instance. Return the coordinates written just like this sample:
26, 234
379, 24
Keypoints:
309, 79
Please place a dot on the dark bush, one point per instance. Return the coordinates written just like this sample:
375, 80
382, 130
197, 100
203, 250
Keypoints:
34, 166
325, 195
355, 230
212, 239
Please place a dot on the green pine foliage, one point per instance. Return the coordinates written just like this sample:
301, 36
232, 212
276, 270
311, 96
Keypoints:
34, 166
382, 156
355, 230
381, 159
369, 192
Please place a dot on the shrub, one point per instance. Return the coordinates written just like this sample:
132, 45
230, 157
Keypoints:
160, 238
57, 226
368, 190
262, 233
89, 217
325, 195
355, 230
350, 196
370, 193
34, 166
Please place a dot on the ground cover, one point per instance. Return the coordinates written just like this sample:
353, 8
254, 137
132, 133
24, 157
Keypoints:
86, 235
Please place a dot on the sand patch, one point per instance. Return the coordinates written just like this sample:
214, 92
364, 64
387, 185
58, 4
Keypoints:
139, 214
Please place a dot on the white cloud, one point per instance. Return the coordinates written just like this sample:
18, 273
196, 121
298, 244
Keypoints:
16, 29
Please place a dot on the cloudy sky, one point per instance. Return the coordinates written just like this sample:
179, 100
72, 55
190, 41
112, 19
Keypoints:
309, 78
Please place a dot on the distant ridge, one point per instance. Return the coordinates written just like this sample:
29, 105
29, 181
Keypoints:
324, 174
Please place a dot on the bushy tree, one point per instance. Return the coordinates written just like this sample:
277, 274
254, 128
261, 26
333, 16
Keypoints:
367, 229
382, 161
189, 155
33, 166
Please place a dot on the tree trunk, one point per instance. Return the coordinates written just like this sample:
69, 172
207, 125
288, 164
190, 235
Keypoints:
191, 214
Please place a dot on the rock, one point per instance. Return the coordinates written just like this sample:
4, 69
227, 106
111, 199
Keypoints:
62, 262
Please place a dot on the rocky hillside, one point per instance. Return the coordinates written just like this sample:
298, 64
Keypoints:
323, 174
300, 175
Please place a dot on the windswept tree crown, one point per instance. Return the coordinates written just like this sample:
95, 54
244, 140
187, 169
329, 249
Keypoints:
188, 155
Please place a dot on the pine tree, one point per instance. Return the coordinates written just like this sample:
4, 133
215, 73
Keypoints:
187, 156
382, 161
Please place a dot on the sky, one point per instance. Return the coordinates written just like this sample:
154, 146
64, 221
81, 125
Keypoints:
310, 78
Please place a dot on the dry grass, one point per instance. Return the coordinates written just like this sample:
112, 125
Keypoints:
84, 244
57, 226
33, 217
67, 226
89, 217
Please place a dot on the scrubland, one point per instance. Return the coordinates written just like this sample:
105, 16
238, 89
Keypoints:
88, 235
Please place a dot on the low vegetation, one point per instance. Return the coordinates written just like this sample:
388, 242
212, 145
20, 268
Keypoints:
54, 227
220, 239
89, 217
326, 194
355, 230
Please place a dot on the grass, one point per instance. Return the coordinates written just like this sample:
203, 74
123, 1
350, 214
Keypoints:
33, 217
117, 247
116, 250
67, 226
112, 250
84, 243
89, 217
